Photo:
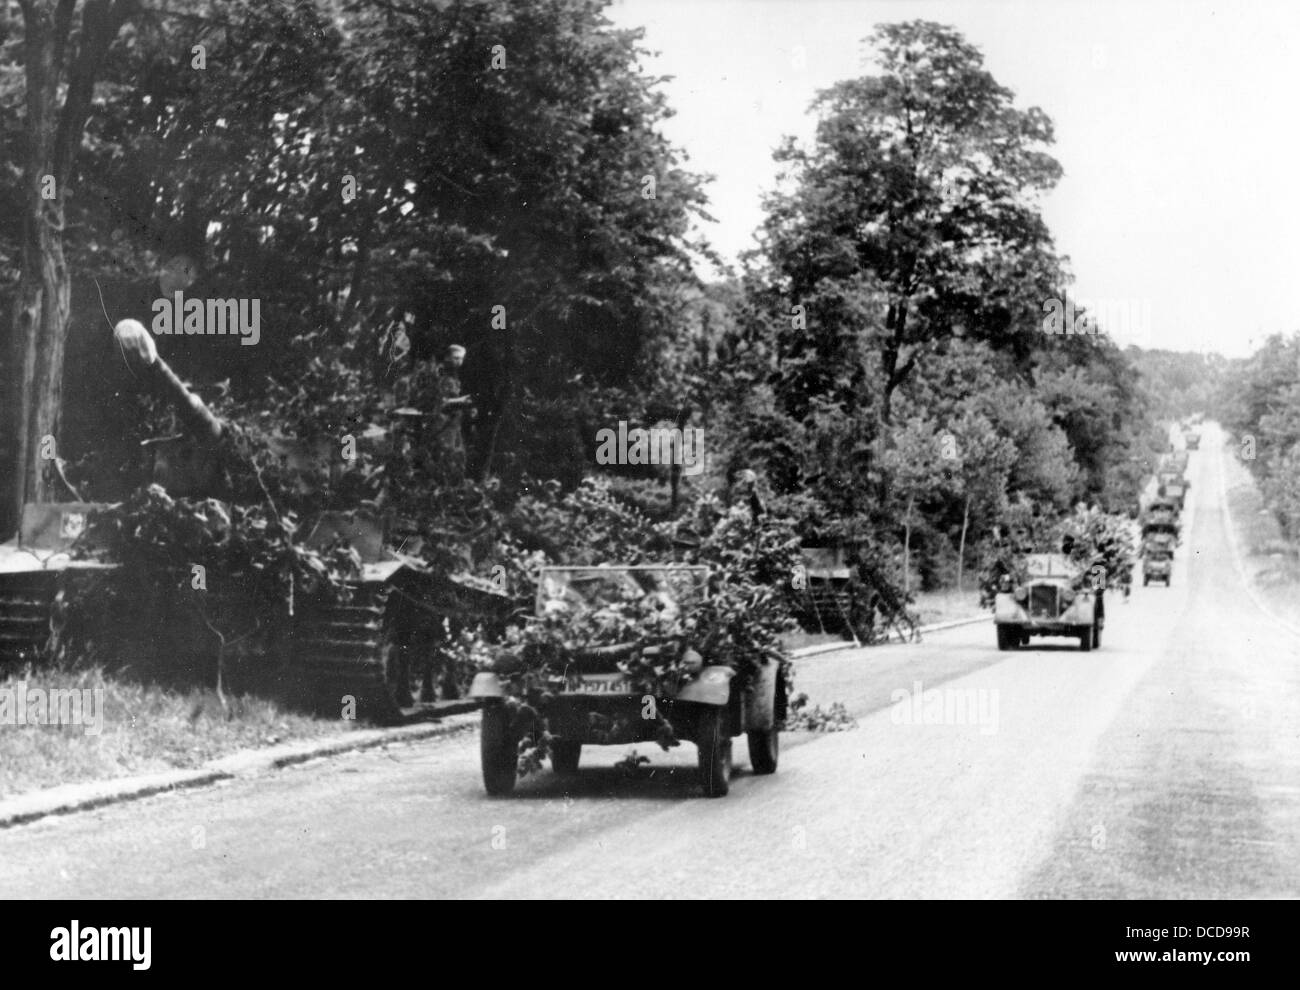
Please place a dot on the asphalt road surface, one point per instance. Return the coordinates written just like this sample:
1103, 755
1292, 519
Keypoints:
1165, 764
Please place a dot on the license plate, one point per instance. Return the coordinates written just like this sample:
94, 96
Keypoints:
611, 684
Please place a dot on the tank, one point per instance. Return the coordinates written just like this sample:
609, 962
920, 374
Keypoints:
372, 647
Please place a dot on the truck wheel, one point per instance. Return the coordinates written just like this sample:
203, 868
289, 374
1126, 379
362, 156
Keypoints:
1008, 637
764, 749
715, 752
498, 749
564, 755
1085, 639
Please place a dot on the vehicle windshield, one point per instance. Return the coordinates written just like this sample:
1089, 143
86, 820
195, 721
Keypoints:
579, 589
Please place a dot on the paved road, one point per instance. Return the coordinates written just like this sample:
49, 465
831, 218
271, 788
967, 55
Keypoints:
1166, 764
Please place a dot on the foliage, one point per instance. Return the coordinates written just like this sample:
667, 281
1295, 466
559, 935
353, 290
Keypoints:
1099, 544
836, 718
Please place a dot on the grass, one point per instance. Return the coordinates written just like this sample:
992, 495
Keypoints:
944, 605
948, 605
144, 729
1271, 561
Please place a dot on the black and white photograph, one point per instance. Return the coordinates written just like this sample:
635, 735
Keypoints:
712, 450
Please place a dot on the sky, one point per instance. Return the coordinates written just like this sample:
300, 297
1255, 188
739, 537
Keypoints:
1176, 126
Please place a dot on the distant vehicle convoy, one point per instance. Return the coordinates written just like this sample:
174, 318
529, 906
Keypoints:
1054, 597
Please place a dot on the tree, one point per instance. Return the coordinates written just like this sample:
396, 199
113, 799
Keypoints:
914, 216
489, 173
923, 463
985, 461
64, 42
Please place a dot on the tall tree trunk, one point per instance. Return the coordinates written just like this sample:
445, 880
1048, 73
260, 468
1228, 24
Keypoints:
41, 304
961, 552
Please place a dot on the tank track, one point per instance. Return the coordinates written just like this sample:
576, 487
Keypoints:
349, 649
28, 602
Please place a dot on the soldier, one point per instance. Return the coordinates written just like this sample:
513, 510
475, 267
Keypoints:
451, 438
746, 487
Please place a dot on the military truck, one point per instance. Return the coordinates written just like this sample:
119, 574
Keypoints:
1161, 511
1050, 596
1158, 558
1175, 492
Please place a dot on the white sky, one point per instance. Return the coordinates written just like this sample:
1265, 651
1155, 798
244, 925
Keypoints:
1176, 126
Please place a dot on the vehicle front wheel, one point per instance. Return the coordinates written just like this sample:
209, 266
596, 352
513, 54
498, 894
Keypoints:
715, 752
498, 749
565, 755
1008, 637
1085, 639
764, 749
1096, 637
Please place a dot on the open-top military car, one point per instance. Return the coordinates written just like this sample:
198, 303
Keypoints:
1052, 596
649, 688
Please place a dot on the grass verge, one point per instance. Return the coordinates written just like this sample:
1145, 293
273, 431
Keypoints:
1271, 562
128, 728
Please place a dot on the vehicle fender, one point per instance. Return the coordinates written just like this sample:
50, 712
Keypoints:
711, 687
760, 699
1081, 612
1005, 609
486, 685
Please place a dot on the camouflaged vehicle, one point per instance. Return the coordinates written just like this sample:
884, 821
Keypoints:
1052, 596
1158, 559
628, 692
371, 646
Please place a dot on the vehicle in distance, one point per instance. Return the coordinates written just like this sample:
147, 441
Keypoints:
1157, 562
1053, 597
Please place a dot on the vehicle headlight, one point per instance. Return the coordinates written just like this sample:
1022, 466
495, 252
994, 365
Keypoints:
1022, 594
692, 662
1067, 595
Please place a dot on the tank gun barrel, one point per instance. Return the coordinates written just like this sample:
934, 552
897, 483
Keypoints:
141, 355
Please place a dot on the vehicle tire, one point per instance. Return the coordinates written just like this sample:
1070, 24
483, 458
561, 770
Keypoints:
1085, 638
498, 749
1145, 580
1008, 637
764, 749
715, 752
564, 755
1096, 637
